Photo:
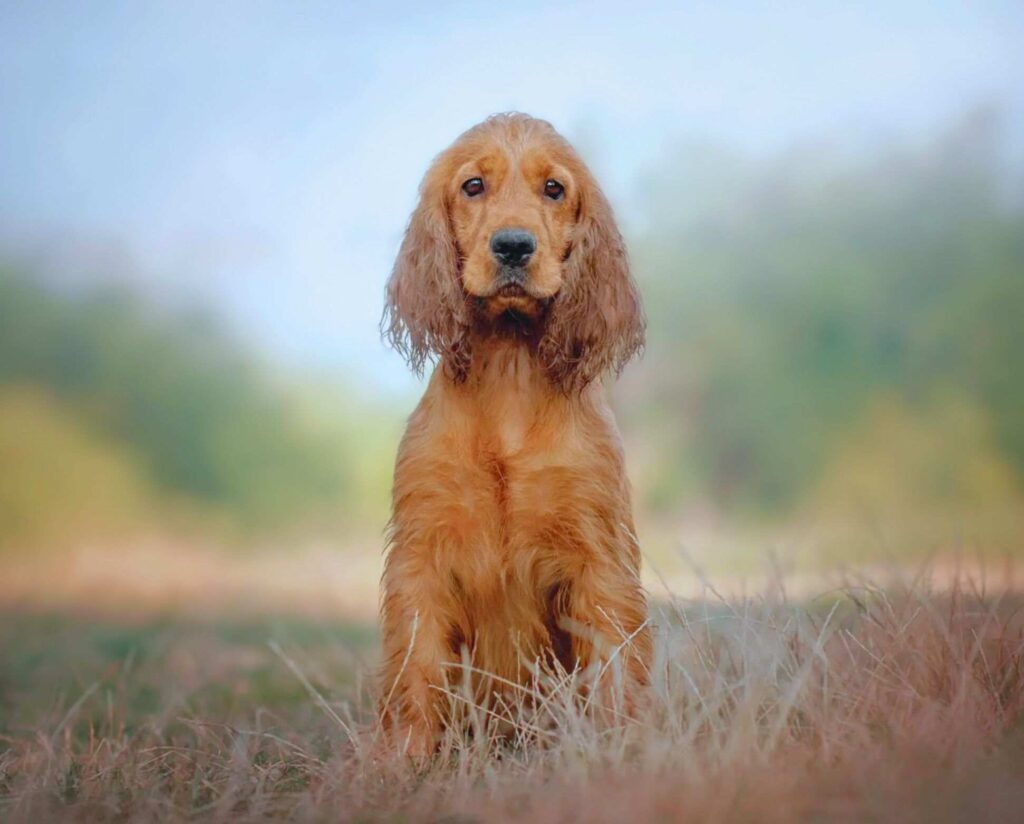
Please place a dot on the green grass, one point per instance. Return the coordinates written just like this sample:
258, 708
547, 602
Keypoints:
220, 669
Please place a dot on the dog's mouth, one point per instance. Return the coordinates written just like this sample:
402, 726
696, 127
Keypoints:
511, 301
511, 290
512, 283
511, 293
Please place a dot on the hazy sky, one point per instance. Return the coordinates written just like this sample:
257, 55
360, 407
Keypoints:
263, 157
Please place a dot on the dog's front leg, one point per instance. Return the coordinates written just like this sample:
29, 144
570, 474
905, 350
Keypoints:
607, 618
416, 638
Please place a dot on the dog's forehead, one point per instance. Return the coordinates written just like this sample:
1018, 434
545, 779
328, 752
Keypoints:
495, 147
511, 128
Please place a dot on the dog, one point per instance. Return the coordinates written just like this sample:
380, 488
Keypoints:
511, 542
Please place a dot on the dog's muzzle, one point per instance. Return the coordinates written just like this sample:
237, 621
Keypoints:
510, 281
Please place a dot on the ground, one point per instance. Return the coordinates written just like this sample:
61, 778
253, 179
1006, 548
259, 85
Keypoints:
900, 702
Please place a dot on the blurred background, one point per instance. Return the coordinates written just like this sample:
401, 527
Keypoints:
200, 203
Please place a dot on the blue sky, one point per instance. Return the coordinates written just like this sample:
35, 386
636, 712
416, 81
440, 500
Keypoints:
263, 157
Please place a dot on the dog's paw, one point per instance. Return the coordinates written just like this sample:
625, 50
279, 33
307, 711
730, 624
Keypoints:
415, 744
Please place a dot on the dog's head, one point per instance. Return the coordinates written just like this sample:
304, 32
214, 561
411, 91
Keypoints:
511, 228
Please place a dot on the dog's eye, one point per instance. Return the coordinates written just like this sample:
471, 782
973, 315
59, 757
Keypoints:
473, 186
554, 189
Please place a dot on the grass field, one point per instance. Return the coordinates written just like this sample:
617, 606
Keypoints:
899, 703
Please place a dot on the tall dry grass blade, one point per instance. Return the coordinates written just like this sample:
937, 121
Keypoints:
313, 692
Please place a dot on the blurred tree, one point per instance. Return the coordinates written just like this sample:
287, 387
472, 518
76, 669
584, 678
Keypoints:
201, 415
59, 480
784, 295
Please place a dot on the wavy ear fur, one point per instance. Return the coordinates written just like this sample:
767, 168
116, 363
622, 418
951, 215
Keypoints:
425, 312
596, 323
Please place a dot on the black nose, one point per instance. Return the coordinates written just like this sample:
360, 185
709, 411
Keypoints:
513, 247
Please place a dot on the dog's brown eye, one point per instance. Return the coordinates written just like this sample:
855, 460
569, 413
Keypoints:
473, 186
554, 189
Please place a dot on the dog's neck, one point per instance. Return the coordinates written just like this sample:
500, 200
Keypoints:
506, 394
506, 362
503, 349
514, 323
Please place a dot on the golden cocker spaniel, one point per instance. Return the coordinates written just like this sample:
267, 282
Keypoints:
511, 541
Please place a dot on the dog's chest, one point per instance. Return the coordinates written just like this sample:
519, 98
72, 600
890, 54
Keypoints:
507, 434
515, 474
518, 458
517, 420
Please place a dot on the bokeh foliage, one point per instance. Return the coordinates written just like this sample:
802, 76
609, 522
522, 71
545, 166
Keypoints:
786, 295
828, 329
194, 414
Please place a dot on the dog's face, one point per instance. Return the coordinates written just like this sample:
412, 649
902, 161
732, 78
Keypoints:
510, 222
513, 207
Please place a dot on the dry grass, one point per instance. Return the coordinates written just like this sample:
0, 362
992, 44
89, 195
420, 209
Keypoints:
896, 703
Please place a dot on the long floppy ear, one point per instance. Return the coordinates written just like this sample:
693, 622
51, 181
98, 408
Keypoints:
425, 313
596, 323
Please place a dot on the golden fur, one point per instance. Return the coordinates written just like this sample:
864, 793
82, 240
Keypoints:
511, 539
